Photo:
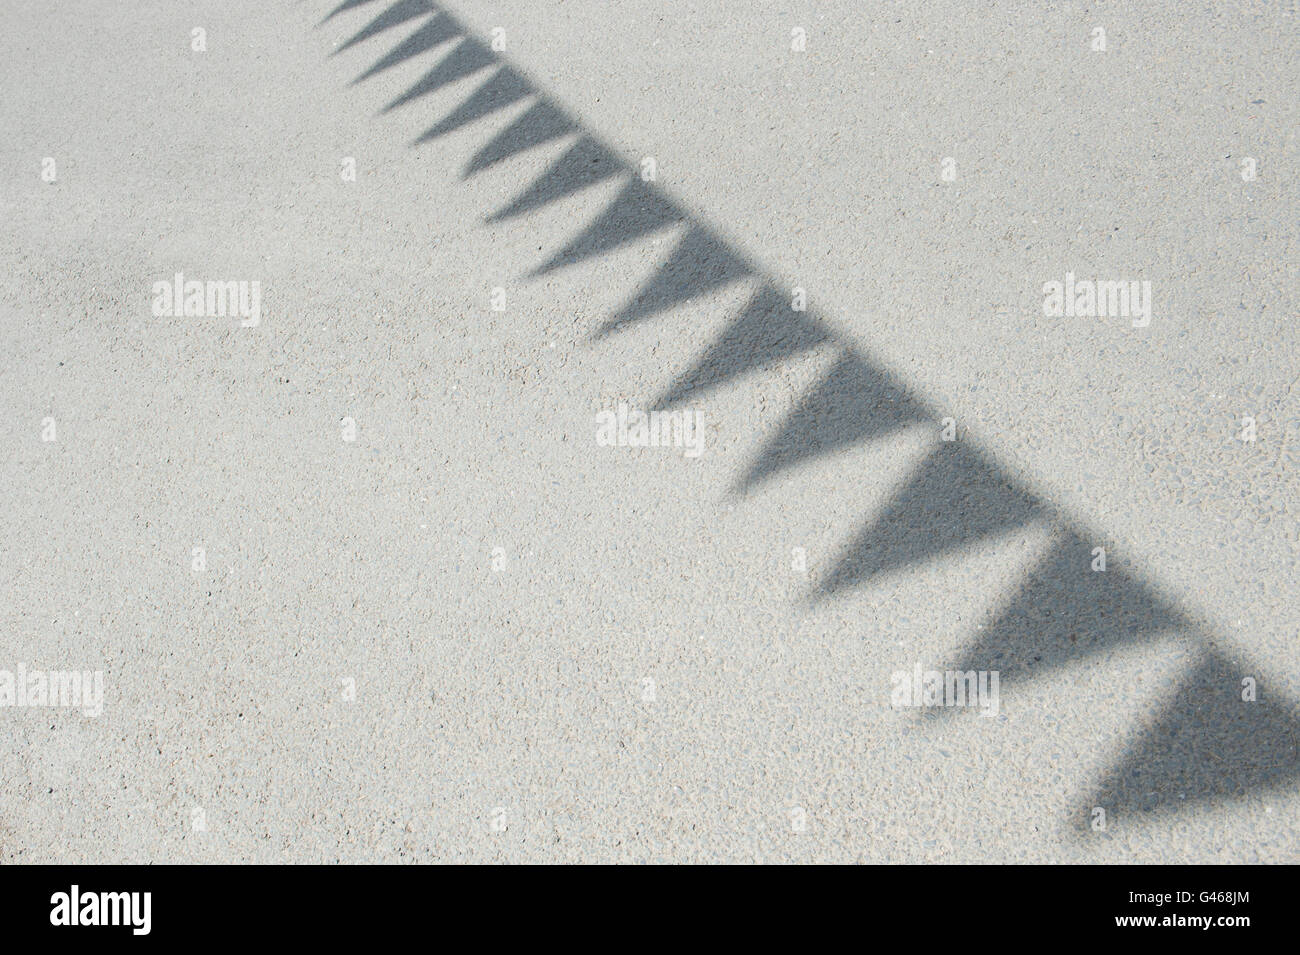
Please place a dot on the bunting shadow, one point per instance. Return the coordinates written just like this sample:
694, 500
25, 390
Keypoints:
1207, 745
854, 402
1065, 611
953, 500
401, 12
766, 331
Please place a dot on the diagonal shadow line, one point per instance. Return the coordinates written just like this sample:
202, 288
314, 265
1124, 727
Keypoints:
958, 497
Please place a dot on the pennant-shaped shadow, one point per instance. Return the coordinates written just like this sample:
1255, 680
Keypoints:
585, 163
1066, 611
436, 32
396, 15
767, 331
505, 87
1207, 745
540, 123
954, 499
636, 211
344, 7
853, 402
466, 59
700, 263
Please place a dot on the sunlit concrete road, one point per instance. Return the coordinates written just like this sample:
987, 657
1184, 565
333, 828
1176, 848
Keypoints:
326, 332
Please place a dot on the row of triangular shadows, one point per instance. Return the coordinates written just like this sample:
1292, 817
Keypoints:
1209, 744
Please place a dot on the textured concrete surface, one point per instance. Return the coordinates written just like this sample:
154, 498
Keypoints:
476, 633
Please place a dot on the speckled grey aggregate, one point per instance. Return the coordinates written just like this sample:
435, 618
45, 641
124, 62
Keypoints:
522, 687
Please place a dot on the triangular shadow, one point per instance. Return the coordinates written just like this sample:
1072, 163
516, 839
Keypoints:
1207, 745
700, 263
855, 401
953, 500
1065, 611
396, 15
766, 331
